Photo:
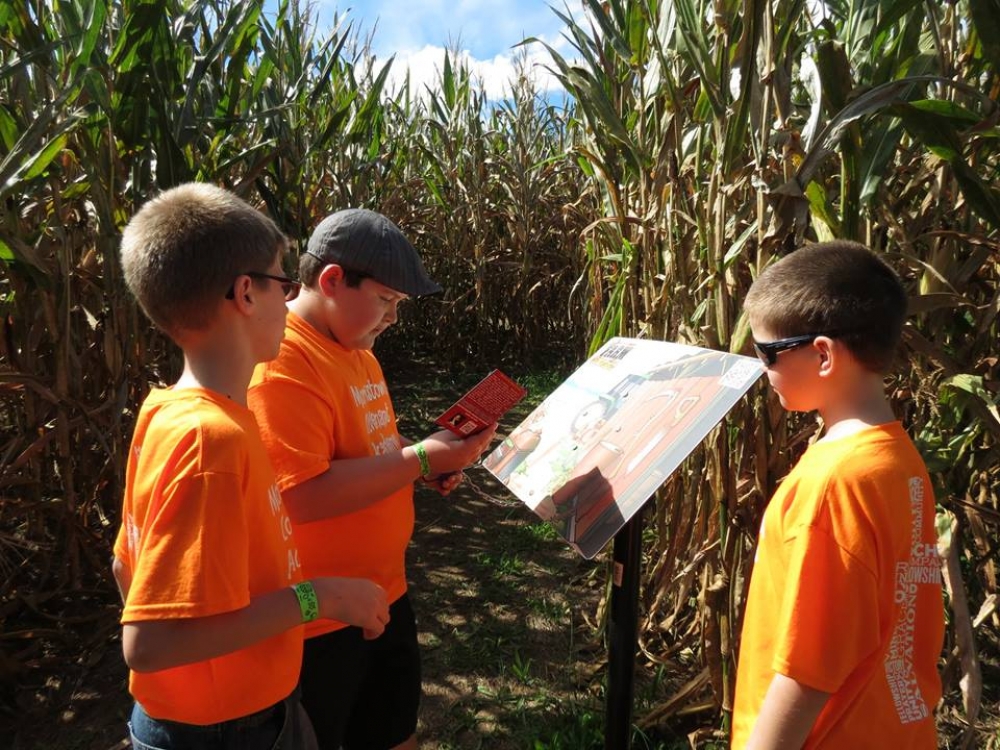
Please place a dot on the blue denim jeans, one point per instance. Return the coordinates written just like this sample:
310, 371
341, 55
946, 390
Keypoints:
283, 726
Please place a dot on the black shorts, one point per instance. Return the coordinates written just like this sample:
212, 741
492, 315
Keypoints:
364, 694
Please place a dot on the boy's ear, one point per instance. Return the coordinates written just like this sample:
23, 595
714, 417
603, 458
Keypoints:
329, 278
828, 353
243, 294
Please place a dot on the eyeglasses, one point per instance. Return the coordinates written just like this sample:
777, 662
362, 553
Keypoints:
289, 287
768, 351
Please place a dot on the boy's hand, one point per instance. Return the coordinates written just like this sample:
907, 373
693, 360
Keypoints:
445, 483
356, 601
449, 453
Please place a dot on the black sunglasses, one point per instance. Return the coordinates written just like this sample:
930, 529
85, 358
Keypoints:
289, 287
768, 351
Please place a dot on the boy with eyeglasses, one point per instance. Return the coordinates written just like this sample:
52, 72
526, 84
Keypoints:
844, 619
346, 474
205, 559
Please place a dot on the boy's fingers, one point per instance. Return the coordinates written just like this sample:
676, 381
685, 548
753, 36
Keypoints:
482, 439
446, 484
381, 619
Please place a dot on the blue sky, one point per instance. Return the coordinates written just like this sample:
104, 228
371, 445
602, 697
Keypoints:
418, 31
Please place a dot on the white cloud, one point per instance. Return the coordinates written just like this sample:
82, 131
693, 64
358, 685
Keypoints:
496, 73
486, 32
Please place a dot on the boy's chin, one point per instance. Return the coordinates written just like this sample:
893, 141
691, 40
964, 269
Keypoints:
368, 341
785, 404
362, 343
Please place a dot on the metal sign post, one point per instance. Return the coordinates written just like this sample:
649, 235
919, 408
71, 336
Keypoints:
623, 634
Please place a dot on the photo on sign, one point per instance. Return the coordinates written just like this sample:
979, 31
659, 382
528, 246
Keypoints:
608, 437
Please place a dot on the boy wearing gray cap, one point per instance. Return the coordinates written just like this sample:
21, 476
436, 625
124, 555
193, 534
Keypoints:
345, 473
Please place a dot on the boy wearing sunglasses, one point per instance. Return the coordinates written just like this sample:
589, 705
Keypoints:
205, 560
844, 619
347, 475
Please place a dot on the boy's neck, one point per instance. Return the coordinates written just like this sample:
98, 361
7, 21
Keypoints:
308, 306
218, 366
862, 403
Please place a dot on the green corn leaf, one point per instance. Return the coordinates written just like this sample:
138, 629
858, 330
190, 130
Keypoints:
95, 14
835, 73
693, 40
986, 19
880, 149
9, 129
239, 20
610, 32
738, 125
737, 247
947, 109
371, 107
135, 38
936, 133
21, 252
973, 385
31, 153
873, 100
334, 58
36, 167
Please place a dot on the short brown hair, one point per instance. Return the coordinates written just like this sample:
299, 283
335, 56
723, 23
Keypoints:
311, 266
833, 287
185, 247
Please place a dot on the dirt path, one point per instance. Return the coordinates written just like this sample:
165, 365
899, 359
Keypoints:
504, 612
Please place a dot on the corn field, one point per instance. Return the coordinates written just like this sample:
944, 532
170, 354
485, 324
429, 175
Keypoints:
704, 139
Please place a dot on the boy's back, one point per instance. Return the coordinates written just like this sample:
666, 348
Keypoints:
205, 559
213, 535
846, 556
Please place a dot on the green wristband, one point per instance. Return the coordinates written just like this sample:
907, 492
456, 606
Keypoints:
425, 462
308, 603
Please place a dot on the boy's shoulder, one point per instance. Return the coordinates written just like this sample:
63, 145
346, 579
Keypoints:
873, 447
869, 461
193, 418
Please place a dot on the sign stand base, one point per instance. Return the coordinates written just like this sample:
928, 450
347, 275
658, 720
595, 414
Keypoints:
623, 634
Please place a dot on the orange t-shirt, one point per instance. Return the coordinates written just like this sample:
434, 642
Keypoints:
316, 403
203, 531
845, 595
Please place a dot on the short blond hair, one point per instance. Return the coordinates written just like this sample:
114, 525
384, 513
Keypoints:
184, 249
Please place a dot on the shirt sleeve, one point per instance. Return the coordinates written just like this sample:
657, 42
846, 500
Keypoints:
297, 427
828, 621
192, 554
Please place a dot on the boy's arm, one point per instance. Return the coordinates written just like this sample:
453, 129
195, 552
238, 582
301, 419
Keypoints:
123, 576
152, 645
787, 715
444, 483
350, 484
